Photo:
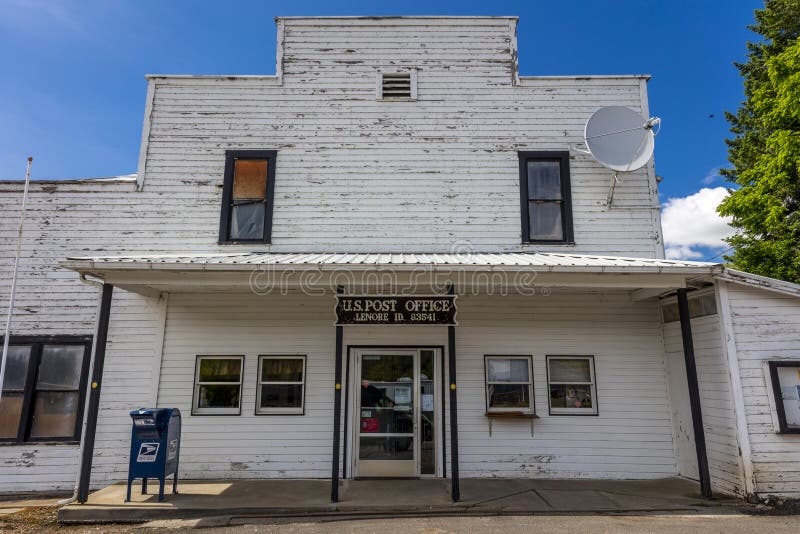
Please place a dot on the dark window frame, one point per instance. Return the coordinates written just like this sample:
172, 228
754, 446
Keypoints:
776, 392
562, 157
227, 195
28, 401
277, 411
494, 411
573, 411
216, 412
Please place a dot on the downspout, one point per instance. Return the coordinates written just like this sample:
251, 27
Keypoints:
74, 497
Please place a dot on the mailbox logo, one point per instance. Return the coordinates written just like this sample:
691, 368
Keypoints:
147, 452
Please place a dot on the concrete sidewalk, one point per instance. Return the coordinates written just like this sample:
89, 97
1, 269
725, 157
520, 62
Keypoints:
310, 498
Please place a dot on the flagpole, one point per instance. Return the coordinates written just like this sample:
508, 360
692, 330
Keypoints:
7, 336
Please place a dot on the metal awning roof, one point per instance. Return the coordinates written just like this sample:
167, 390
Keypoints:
545, 262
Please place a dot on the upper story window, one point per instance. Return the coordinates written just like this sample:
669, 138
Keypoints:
545, 197
247, 195
44, 389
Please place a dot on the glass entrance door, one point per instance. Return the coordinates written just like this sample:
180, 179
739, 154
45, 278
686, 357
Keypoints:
388, 392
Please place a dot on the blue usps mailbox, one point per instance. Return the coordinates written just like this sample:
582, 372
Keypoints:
155, 447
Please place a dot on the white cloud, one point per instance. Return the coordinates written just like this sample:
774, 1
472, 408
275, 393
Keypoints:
712, 176
692, 226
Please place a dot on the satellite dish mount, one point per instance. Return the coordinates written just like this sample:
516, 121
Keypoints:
621, 140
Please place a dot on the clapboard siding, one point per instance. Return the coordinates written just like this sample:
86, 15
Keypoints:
353, 174
351, 171
631, 438
766, 326
716, 403
49, 300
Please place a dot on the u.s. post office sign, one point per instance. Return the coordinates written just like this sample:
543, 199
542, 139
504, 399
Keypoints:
395, 310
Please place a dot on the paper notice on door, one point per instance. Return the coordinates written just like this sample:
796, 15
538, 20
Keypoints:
427, 402
402, 395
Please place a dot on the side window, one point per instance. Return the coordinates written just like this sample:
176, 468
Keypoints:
571, 385
44, 389
545, 196
247, 196
509, 384
281, 384
785, 384
218, 385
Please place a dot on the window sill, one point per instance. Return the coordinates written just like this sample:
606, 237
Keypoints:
524, 415
564, 243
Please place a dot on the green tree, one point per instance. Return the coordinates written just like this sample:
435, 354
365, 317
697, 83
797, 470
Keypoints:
765, 150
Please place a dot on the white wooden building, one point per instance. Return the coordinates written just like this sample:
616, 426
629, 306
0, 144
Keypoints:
392, 157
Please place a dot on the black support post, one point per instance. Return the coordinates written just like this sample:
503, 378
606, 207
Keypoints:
694, 394
99, 359
455, 490
337, 410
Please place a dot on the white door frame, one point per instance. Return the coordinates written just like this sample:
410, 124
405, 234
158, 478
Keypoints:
353, 418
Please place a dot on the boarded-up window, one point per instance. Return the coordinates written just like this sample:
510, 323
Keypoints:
247, 212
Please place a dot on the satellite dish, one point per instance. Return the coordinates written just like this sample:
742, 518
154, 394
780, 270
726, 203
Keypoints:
619, 138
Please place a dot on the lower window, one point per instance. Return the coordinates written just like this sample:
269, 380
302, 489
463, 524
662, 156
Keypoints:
218, 385
785, 382
571, 385
281, 384
44, 389
509, 384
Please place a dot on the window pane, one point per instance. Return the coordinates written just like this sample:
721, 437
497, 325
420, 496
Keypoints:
545, 221
507, 370
509, 396
54, 414
390, 448
281, 396
17, 367
60, 367
220, 369
569, 370
544, 180
567, 396
218, 397
281, 370
249, 179
386, 420
10, 410
789, 382
247, 221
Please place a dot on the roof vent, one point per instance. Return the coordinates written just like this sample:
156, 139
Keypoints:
397, 85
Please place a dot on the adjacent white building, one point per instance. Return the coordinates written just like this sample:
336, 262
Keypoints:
396, 161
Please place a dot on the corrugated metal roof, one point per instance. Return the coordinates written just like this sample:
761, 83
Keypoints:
467, 261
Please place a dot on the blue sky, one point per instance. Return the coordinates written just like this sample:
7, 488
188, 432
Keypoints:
73, 89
